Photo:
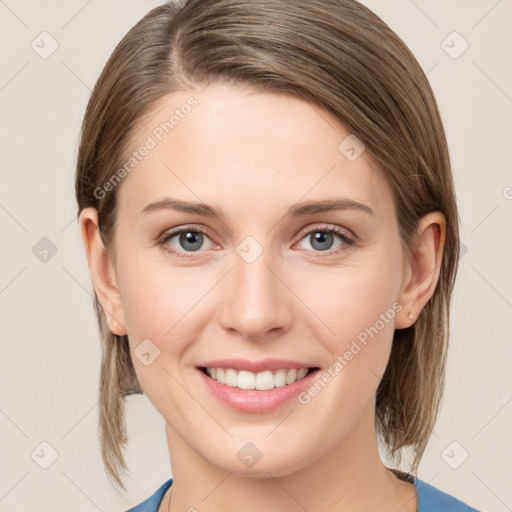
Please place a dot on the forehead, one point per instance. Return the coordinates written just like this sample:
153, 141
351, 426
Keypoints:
230, 146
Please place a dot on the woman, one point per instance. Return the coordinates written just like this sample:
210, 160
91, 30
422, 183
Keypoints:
267, 207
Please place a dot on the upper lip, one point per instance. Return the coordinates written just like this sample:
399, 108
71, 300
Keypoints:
255, 366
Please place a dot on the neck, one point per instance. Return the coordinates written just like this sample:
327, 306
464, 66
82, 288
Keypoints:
348, 477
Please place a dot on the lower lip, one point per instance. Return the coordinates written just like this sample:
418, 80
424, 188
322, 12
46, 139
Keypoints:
252, 400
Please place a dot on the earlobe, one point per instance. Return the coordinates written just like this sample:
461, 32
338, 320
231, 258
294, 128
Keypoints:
102, 271
422, 266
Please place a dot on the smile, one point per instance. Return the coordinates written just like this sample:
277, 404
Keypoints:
255, 386
262, 381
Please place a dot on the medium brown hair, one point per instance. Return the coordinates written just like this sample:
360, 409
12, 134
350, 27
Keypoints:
337, 55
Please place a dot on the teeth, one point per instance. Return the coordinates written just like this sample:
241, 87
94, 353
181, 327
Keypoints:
231, 377
261, 381
291, 376
243, 380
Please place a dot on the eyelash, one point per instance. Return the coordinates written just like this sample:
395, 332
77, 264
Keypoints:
348, 240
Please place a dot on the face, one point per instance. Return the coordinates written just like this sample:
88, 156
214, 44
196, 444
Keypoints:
290, 259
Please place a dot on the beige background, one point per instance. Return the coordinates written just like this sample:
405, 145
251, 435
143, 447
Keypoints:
49, 348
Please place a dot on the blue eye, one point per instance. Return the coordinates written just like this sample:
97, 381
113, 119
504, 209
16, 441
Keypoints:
323, 239
189, 240
186, 241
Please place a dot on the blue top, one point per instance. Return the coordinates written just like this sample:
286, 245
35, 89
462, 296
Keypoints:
430, 499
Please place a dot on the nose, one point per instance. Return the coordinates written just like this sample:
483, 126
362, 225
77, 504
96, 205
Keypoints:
258, 305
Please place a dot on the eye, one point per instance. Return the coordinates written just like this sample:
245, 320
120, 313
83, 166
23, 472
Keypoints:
186, 240
323, 238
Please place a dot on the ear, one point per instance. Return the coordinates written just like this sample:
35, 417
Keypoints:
102, 271
422, 266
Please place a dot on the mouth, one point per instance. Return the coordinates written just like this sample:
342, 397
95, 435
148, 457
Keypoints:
261, 381
266, 389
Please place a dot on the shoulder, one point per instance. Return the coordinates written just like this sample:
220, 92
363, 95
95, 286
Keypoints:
431, 499
153, 502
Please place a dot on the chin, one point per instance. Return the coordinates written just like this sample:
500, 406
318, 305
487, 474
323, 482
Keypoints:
249, 461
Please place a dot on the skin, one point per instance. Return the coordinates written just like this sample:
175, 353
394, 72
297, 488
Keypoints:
253, 155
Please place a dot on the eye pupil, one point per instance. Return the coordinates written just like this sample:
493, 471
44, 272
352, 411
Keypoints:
194, 239
324, 240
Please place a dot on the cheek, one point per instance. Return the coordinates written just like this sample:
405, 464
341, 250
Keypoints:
158, 303
168, 305
348, 300
357, 308
157, 300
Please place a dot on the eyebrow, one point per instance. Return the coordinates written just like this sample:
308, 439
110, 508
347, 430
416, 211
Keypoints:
305, 208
